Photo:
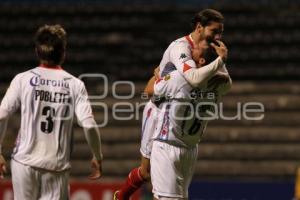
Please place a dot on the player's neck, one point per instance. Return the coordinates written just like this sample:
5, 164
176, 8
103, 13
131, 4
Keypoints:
195, 37
49, 66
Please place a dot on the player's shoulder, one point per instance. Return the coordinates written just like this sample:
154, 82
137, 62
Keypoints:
181, 44
181, 41
71, 78
61, 74
173, 77
23, 75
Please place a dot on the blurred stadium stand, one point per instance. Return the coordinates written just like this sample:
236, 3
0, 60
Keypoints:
126, 41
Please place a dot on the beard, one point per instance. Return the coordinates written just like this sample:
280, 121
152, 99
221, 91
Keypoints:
208, 38
202, 35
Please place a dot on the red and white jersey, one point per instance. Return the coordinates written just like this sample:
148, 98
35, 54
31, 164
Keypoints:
182, 121
48, 99
178, 56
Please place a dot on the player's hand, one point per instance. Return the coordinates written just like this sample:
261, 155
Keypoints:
96, 169
2, 167
217, 80
156, 73
221, 50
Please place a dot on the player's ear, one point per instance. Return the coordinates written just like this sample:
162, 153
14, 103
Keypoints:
199, 27
202, 61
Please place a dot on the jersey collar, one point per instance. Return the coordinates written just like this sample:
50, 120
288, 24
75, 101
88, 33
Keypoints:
57, 67
190, 40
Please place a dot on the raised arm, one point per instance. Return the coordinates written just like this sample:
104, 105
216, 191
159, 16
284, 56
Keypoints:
149, 89
221, 83
180, 55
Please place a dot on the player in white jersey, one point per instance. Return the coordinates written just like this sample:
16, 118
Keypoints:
181, 125
48, 98
207, 25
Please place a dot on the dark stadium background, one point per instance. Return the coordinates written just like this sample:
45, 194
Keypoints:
125, 40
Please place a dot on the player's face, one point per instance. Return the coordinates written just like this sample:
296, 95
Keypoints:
212, 32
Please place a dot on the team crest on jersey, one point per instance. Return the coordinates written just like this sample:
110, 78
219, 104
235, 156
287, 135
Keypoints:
182, 56
167, 77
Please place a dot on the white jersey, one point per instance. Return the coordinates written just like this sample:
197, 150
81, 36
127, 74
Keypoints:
48, 99
149, 122
182, 119
178, 56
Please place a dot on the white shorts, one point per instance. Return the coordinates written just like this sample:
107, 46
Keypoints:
37, 184
148, 127
172, 169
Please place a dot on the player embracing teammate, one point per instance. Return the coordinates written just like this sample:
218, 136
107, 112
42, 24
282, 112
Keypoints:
190, 79
169, 139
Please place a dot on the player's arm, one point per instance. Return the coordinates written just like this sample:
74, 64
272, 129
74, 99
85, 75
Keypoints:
182, 59
4, 115
223, 70
221, 78
165, 86
92, 136
222, 51
225, 88
225, 82
85, 118
161, 87
10, 104
3, 125
149, 89
221, 83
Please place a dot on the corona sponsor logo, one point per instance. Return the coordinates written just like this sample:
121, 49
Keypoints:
38, 81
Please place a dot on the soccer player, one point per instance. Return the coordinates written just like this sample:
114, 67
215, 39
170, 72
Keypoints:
207, 25
48, 98
181, 123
